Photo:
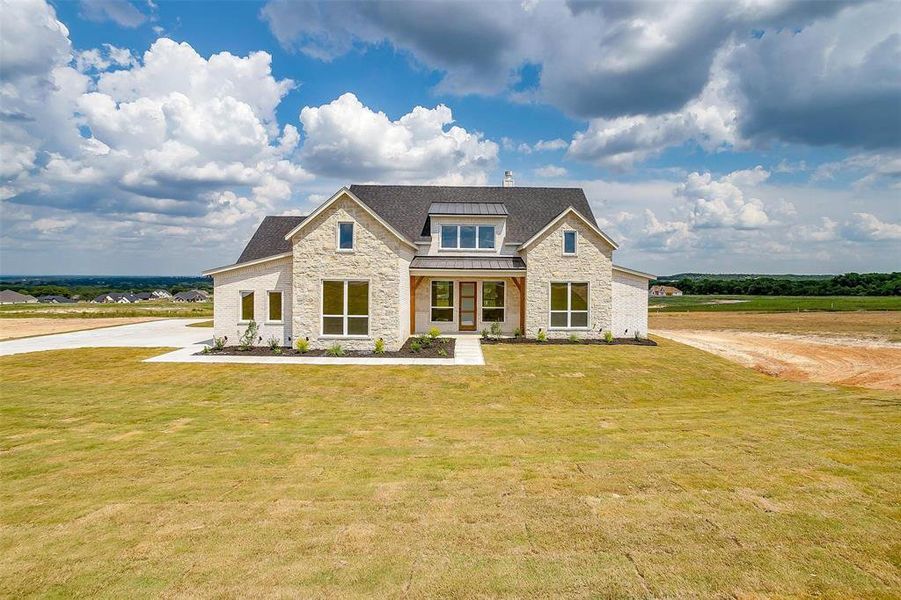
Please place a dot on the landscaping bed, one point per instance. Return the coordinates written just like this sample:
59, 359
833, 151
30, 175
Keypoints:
427, 348
568, 342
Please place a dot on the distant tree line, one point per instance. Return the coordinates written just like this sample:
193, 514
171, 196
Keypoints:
88, 288
849, 284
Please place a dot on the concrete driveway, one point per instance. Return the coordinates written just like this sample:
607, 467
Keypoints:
168, 333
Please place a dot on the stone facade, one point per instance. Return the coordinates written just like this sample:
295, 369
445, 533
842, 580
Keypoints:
424, 307
272, 275
378, 256
630, 304
592, 263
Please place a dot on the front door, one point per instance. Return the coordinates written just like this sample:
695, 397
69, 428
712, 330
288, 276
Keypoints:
467, 306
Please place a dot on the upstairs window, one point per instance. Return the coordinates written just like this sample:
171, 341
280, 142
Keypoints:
345, 236
467, 237
247, 306
569, 242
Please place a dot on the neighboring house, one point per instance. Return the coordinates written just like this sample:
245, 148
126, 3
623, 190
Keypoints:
383, 261
161, 295
116, 298
11, 297
664, 290
54, 299
191, 296
144, 296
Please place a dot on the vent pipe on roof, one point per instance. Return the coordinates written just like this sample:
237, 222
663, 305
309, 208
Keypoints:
508, 178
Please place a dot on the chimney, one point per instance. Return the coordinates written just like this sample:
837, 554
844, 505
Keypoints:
508, 178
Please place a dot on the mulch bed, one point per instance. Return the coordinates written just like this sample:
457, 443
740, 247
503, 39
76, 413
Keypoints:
428, 349
566, 342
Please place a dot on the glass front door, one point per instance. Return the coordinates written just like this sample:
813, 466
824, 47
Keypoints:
467, 306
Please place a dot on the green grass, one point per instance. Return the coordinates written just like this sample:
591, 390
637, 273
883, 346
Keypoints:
565, 471
88, 310
202, 324
773, 303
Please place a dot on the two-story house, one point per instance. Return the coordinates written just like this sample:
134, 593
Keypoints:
388, 261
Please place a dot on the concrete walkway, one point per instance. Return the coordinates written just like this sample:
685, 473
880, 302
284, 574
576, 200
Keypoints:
467, 352
153, 334
191, 340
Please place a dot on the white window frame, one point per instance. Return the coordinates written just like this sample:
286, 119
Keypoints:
281, 318
569, 309
477, 248
482, 306
322, 316
452, 307
575, 251
353, 236
241, 296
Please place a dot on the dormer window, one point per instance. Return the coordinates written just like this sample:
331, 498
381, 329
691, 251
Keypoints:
467, 237
345, 237
569, 243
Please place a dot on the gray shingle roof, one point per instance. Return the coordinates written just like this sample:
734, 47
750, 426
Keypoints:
269, 238
406, 207
487, 263
468, 208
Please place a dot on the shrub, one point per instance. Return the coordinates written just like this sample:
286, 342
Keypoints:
335, 350
434, 332
517, 333
302, 345
219, 342
380, 346
608, 336
542, 336
574, 338
442, 352
246, 341
206, 350
277, 350
484, 334
424, 340
496, 330
637, 335
273, 343
415, 346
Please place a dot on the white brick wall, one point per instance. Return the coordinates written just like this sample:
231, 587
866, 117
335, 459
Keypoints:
545, 263
260, 279
630, 305
378, 256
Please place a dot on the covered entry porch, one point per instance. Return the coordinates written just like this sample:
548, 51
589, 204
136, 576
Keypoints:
461, 300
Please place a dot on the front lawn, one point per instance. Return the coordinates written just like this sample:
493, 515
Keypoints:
564, 471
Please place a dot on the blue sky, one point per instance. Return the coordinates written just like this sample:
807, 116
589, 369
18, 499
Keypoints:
151, 137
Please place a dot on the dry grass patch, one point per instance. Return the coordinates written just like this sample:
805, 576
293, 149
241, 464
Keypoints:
876, 325
662, 472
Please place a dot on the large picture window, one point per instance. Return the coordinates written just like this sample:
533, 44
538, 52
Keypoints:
467, 237
247, 306
345, 308
569, 305
492, 301
443, 301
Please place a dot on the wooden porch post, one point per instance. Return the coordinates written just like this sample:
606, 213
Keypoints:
414, 283
520, 283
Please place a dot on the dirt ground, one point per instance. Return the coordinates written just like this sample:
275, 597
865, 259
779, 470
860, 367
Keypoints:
845, 361
874, 325
20, 328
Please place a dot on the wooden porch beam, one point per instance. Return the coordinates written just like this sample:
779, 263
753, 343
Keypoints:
520, 283
414, 283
